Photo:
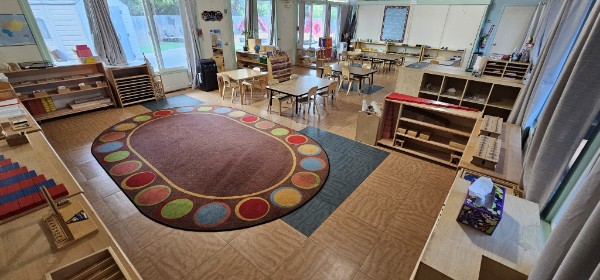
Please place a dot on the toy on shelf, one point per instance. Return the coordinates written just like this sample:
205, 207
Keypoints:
487, 152
491, 126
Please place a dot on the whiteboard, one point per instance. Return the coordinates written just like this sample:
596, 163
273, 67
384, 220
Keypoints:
427, 24
368, 22
394, 23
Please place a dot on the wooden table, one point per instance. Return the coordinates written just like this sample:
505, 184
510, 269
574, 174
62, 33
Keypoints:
297, 87
359, 72
386, 57
27, 253
456, 250
510, 165
238, 75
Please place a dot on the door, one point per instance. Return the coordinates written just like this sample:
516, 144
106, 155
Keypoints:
512, 28
287, 19
462, 28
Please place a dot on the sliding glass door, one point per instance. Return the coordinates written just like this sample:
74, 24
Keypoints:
314, 24
238, 15
264, 21
334, 26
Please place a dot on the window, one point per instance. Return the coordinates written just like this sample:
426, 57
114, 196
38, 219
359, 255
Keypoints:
334, 25
63, 25
264, 21
150, 28
314, 23
238, 14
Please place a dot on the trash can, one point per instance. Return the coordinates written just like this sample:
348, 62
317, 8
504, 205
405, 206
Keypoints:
207, 74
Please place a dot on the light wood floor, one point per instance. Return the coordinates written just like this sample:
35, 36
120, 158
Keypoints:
377, 233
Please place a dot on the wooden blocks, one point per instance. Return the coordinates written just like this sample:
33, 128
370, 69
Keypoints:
425, 135
65, 233
487, 152
491, 126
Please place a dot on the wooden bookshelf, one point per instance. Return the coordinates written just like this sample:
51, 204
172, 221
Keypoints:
435, 133
506, 69
279, 67
133, 84
251, 60
411, 53
38, 90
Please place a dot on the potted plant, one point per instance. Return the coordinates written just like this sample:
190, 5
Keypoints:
247, 35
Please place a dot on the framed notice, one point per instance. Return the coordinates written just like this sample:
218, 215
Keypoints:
14, 31
394, 23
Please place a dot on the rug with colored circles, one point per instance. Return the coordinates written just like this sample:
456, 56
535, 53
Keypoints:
211, 168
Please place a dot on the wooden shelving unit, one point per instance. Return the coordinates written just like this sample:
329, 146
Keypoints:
38, 90
279, 67
435, 133
411, 53
506, 69
251, 60
133, 84
493, 96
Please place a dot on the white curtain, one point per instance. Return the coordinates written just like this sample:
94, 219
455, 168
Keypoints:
187, 8
105, 38
570, 108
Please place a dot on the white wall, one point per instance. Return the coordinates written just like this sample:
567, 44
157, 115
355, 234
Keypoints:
287, 20
368, 22
17, 53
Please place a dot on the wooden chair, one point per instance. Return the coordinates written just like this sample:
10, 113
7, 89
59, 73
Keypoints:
280, 97
328, 73
343, 56
344, 64
346, 76
366, 66
306, 101
376, 63
332, 91
228, 84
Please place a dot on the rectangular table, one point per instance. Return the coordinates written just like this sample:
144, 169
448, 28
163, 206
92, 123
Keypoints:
386, 57
239, 76
297, 87
359, 72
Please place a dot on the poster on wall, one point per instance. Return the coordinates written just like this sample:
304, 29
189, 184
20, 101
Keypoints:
394, 23
14, 31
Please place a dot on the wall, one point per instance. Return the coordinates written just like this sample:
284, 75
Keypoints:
495, 13
17, 53
287, 21
225, 25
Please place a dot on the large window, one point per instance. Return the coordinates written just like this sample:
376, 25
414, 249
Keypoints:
238, 14
264, 21
334, 26
150, 28
314, 24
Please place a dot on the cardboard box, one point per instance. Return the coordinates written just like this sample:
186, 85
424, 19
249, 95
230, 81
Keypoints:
481, 218
367, 127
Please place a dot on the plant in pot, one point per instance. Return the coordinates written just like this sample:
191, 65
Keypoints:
247, 35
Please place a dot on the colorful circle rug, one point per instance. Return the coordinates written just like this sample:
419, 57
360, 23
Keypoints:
211, 168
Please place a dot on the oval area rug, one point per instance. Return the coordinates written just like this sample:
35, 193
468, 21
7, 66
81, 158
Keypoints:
211, 168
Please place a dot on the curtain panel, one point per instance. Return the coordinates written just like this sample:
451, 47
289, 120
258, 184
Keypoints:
107, 44
187, 9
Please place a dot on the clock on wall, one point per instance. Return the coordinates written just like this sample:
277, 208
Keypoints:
212, 15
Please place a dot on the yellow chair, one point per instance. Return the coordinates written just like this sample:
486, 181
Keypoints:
328, 73
305, 102
332, 91
347, 77
280, 97
227, 83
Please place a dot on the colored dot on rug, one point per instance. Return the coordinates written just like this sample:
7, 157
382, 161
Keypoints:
152, 195
184, 109
309, 150
141, 118
177, 208
312, 164
222, 110
252, 208
212, 214
109, 147
296, 139
264, 125
249, 119
306, 180
117, 156
204, 109
138, 180
112, 136
286, 197
163, 113
124, 127
125, 168
280, 131
237, 114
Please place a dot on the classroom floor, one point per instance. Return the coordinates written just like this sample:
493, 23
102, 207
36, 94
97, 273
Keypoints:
377, 233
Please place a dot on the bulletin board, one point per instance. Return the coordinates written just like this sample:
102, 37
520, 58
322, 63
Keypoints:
394, 23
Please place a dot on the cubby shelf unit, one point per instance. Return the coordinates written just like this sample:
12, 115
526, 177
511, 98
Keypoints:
411, 53
279, 67
435, 133
132, 84
506, 69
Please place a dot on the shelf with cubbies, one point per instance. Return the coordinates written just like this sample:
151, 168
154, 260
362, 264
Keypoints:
433, 53
132, 84
506, 69
411, 53
496, 99
435, 133
251, 59
63, 90
279, 67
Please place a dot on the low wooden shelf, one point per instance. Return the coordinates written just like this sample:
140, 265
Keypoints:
457, 251
506, 69
426, 131
133, 84
55, 103
279, 67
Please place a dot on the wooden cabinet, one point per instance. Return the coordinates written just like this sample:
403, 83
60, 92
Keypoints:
251, 60
133, 84
435, 133
279, 67
493, 96
506, 69
58, 91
